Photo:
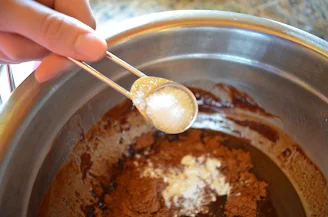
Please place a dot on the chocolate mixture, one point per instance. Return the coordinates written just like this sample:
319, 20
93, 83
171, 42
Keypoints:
102, 176
142, 196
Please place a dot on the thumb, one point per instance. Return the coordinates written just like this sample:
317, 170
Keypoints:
55, 31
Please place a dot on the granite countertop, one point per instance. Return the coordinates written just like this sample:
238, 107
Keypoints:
308, 15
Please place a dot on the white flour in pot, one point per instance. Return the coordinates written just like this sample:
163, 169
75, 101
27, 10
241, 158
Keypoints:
192, 186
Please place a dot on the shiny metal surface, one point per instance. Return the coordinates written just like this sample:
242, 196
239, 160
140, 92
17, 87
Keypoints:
141, 76
11, 78
124, 64
6, 80
284, 69
103, 78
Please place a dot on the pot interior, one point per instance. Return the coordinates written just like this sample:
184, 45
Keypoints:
285, 78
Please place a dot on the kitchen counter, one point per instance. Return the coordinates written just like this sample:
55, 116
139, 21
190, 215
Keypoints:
308, 15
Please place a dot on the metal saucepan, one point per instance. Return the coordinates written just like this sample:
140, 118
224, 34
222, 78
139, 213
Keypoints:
283, 68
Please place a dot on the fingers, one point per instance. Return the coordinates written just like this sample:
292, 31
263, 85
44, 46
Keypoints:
48, 3
3, 61
79, 9
57, 32
51, 67
16, 48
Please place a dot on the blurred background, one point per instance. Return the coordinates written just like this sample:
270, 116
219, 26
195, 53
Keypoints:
308, 15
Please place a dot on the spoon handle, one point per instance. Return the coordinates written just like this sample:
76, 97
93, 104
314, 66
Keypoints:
102, 77
124, 64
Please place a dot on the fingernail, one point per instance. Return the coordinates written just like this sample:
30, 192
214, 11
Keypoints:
90, 46
41, 77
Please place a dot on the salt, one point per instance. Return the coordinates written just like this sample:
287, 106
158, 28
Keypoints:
170, 109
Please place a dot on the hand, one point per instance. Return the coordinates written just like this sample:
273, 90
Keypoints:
48, 30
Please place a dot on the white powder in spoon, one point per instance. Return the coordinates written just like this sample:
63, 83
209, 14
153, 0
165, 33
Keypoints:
170, 109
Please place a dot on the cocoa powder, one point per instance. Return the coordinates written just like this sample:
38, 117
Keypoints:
142, 196
96, 186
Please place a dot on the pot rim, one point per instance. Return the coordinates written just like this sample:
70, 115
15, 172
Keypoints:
181, 18
29, 97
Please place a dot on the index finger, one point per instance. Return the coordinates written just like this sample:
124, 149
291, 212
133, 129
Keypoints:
79, 9
57, 32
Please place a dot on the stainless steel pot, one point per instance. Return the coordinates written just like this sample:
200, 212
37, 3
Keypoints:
283, 68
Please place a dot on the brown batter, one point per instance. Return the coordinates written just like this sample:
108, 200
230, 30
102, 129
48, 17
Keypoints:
136, 196
100, 177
